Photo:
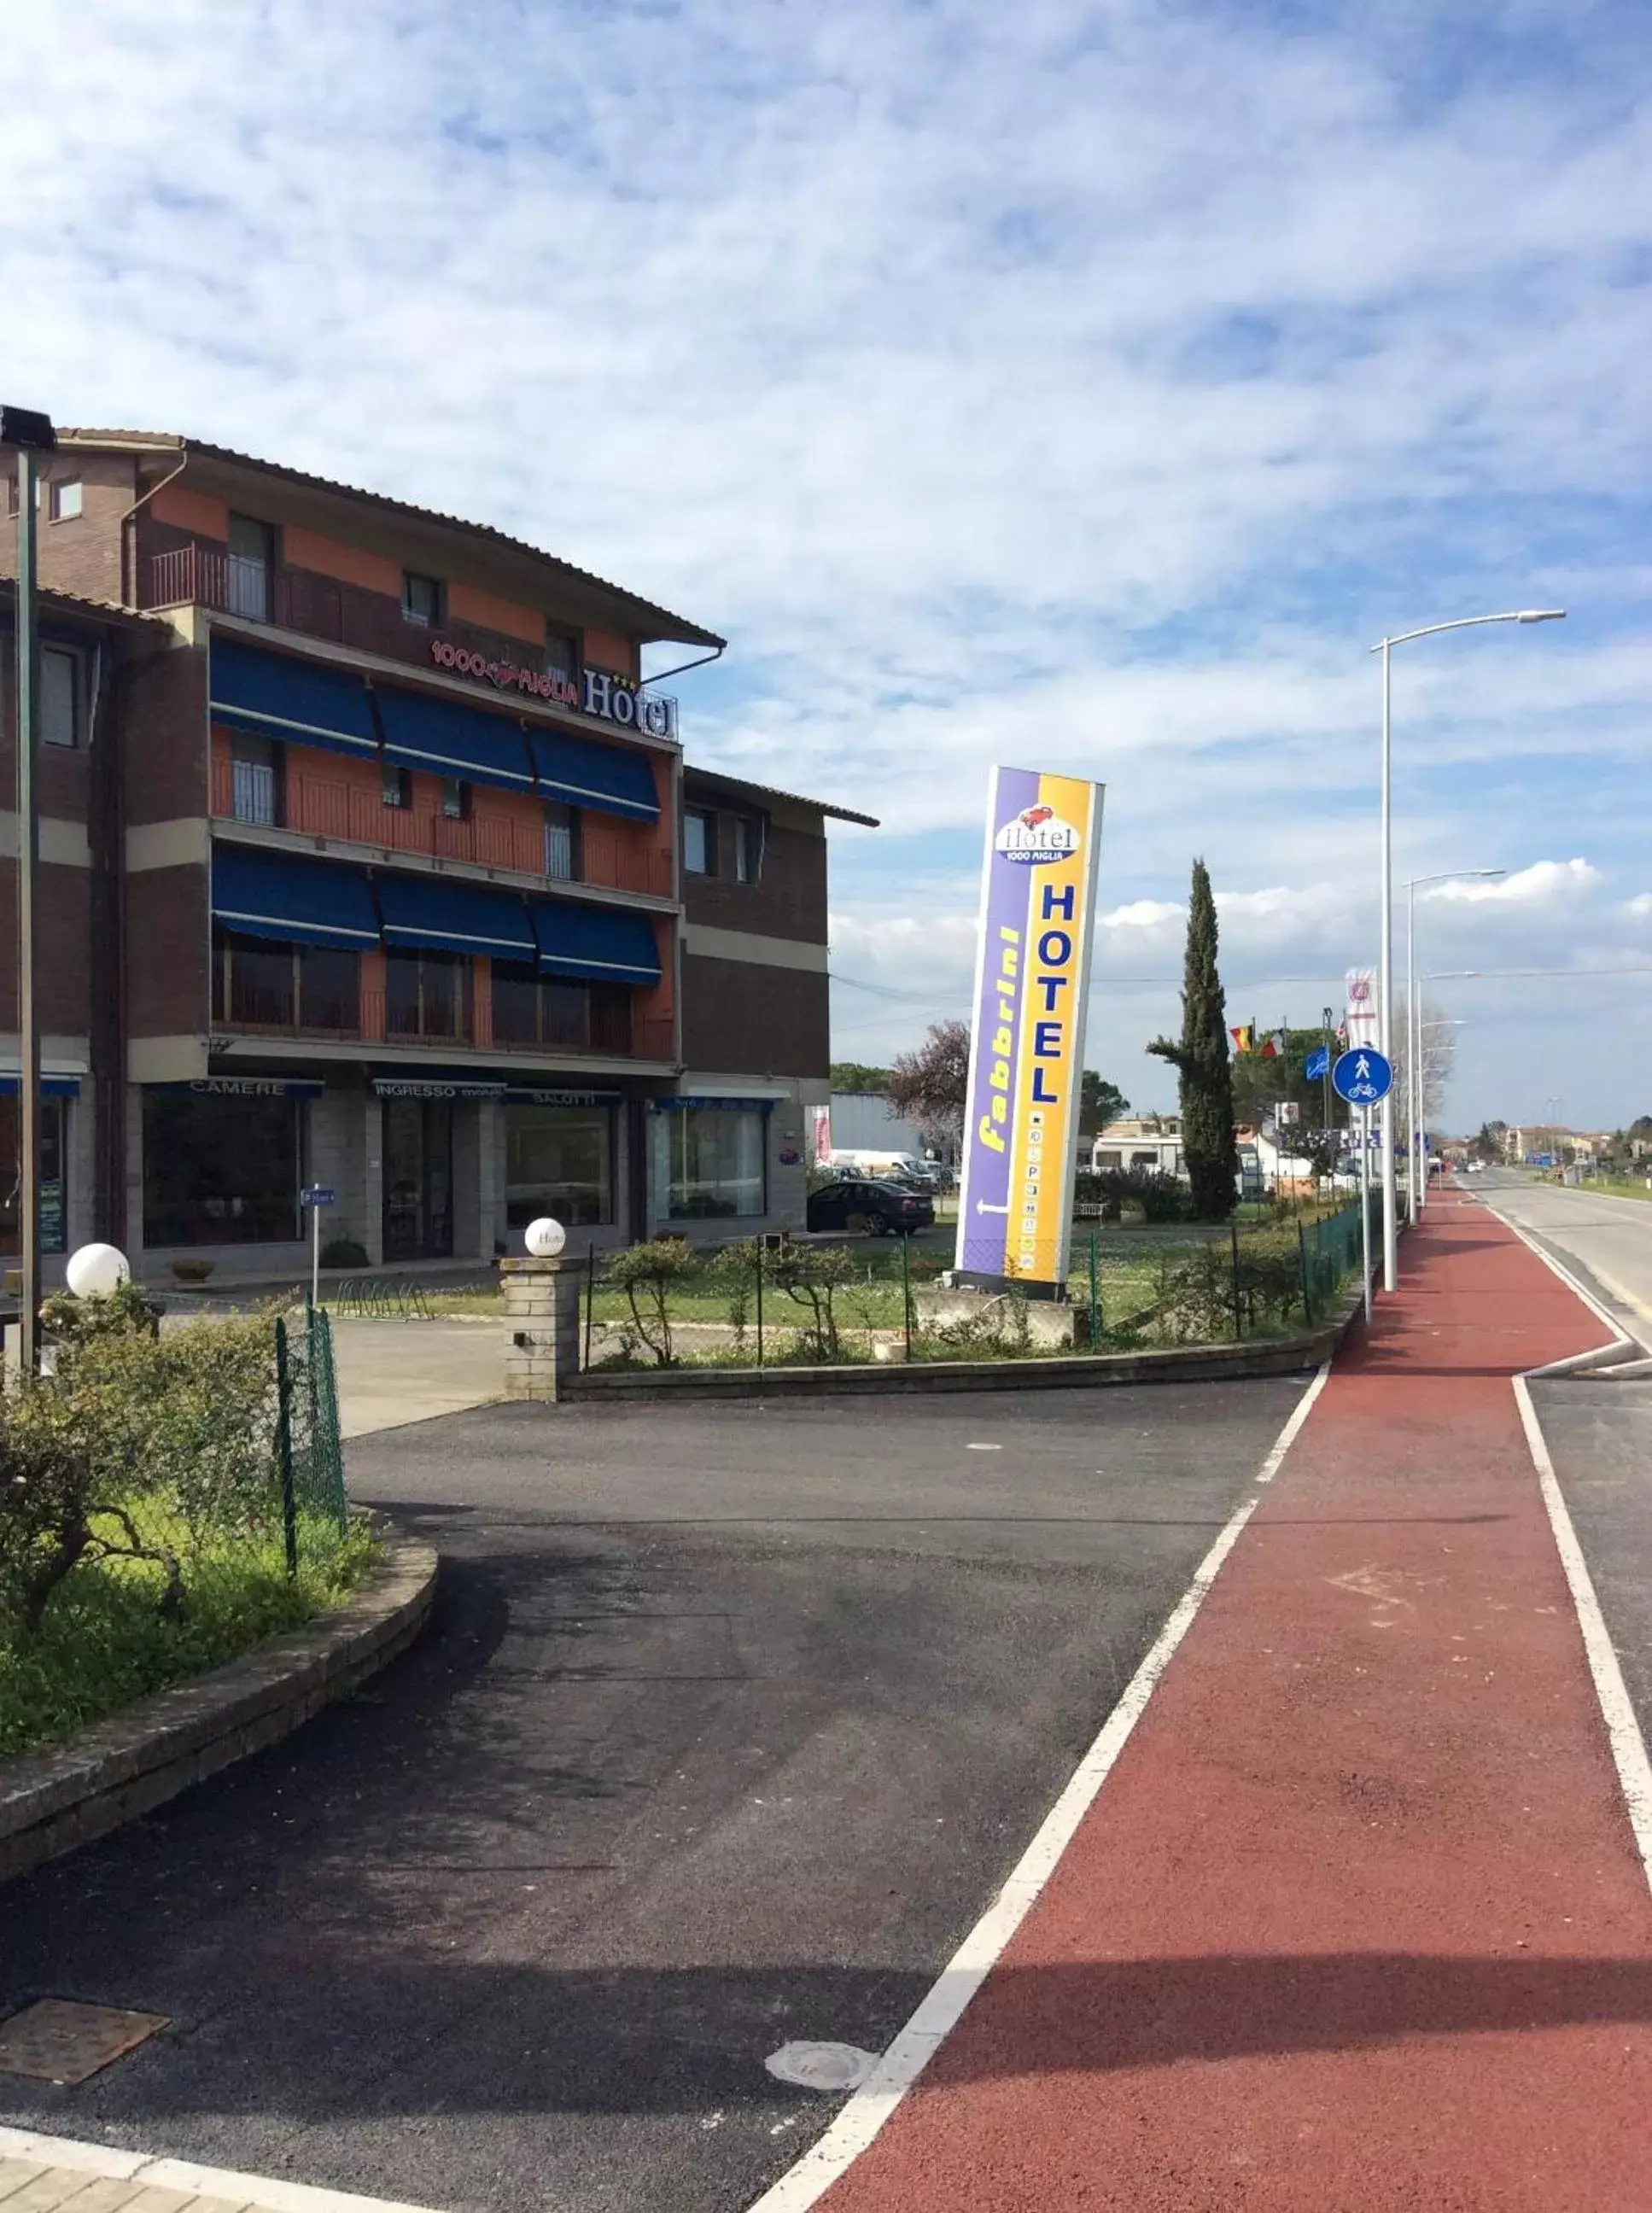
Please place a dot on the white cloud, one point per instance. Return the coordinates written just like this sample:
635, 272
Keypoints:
1640, 905
1541, 885
1083, 385
1142, 914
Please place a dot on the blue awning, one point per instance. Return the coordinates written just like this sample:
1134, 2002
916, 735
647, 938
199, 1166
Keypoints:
449, 738
300, 701
584, 772
291, 899
600, 944
427, 914
51, 1087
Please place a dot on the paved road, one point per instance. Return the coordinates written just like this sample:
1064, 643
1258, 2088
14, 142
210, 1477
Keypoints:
731, 1724
1608, 1239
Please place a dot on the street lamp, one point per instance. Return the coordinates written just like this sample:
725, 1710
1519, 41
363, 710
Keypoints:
29, 435
1385, 902
1416, 1147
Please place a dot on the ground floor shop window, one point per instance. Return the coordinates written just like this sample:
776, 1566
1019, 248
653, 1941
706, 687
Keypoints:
715, 1161
54, 1182
559, 1162
220, 1171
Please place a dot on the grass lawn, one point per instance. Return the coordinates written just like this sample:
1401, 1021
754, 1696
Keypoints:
104, 1641
1619, 1187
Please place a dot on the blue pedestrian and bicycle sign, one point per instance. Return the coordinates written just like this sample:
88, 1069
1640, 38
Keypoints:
1362, 1077
1318, 1065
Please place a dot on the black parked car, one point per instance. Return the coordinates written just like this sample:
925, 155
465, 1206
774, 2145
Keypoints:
882, 1210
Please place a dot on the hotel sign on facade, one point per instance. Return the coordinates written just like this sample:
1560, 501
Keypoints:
592, 691
1026, 1045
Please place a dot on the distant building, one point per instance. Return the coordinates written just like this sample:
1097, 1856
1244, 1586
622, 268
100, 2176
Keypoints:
1150, 1142
865, 1122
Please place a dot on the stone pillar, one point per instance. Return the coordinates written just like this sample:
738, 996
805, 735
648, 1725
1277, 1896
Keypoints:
541, 1326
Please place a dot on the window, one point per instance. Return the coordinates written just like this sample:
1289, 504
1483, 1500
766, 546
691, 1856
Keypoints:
558, 1160
54, 1209
259, 985
517, 987
220, 1171
561, 652
455, 799
60, 696
561, 833
251, 560
427, 995
748, 849
714, 1162
699, 842
421, 599
66, 499
397, 788
252, 780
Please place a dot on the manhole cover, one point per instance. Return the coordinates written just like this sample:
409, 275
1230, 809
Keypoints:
58, 2040
822, 2066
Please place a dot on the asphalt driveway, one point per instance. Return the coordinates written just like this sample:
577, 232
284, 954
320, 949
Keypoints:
728, 1725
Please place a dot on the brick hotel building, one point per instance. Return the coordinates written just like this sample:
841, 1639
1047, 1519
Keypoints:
368, 860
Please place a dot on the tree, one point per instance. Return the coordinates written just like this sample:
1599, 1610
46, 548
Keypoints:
1099, 1103
1488, 1145
857, 1075
1201, 1062
930, 1086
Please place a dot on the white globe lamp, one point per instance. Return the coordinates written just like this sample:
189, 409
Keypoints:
97, 1270
544, 1238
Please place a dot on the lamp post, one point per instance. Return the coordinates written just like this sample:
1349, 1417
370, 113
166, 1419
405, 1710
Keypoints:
1385, 903
1417, 1151
30, 435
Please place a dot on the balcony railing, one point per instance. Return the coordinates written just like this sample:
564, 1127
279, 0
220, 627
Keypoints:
207, 576
321, 806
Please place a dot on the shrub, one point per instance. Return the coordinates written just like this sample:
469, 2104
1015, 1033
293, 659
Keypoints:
187, 1419
344, 1252
812, 1276
648, 1274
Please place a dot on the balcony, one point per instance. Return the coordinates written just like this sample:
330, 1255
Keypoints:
320, 806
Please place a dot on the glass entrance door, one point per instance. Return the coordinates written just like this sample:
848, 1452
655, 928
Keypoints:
417, 1179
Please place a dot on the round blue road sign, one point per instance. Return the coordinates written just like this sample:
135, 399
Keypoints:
1361, 1076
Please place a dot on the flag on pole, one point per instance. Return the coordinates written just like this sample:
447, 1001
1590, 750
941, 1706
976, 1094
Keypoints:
1244, 1036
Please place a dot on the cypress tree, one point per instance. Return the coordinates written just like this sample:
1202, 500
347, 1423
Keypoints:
1206, 1083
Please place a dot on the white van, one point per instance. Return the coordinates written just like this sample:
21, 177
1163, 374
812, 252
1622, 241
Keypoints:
882, 1164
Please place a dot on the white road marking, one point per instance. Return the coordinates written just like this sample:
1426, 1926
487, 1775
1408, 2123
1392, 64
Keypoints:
264, 2193
941, 2009
1286, 1436
1623, 1730
983, 1447
1628, 1746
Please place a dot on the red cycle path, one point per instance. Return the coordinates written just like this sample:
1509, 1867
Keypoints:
1357, 1921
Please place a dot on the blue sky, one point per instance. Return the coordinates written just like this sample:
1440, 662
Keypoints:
1084, 386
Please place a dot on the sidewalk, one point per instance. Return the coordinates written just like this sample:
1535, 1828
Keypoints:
56, 2174
1357, 1922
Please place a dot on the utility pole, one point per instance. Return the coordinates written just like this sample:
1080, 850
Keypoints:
30, 435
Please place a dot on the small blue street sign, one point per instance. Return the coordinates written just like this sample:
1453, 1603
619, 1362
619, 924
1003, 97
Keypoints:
318, 1194
1317, 1064
1361, 1076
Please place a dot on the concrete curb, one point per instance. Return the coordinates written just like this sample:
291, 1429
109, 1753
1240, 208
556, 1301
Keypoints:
54, 1800
1278, 1356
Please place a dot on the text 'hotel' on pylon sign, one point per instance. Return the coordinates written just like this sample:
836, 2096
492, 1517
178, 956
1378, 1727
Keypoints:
1027, 1042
